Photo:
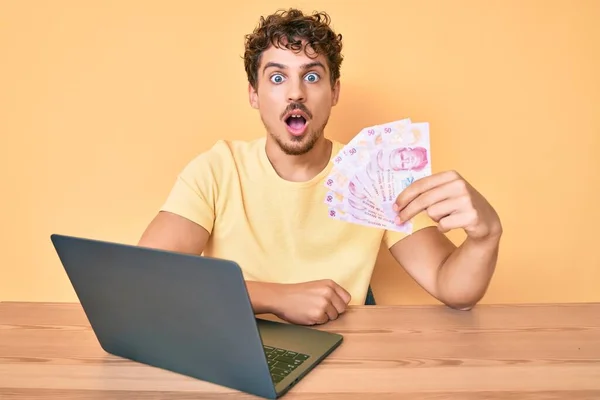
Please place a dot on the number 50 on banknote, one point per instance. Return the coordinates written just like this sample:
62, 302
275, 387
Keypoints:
373, 169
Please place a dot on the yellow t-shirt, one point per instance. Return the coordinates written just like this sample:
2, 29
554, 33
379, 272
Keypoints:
276, 230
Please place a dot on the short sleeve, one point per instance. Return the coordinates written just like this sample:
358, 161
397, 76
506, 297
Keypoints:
420, 221
194, 193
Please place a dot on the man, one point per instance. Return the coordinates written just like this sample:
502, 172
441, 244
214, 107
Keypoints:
260, 203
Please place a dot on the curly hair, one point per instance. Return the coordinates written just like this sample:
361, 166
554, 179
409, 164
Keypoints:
288, 29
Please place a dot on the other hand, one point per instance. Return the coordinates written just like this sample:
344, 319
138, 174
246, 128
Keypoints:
450, 201
311, 303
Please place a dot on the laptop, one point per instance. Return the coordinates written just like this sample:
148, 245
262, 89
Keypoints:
187, 314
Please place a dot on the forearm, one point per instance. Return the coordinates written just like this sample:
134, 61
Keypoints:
464, 277
263, 296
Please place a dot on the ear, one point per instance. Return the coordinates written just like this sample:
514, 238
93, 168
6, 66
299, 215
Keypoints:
336, 93
252, 96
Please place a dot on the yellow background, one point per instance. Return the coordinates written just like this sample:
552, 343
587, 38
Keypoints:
103, 102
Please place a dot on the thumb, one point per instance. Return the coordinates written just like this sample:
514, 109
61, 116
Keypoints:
343, 293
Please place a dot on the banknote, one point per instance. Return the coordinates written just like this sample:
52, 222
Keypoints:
373, 169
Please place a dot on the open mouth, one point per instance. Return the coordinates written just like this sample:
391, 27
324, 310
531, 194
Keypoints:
296, 122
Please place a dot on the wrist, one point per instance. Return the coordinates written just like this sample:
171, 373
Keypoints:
264, 296
491, 239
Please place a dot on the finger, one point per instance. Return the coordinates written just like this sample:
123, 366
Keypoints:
322, 318
331, 312
448, 190
455, 221
343, 293
446, 207
423, 185
318, 314
338, 303
426, 200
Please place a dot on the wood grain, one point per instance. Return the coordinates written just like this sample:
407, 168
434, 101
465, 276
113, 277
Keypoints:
48, 351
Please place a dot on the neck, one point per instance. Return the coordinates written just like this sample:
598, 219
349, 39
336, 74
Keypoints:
300, 168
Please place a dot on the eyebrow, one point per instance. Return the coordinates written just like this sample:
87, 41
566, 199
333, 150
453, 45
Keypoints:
306, 66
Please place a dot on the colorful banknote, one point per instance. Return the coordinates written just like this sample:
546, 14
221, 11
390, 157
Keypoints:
373, 169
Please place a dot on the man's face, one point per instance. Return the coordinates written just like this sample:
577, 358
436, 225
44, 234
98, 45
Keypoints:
408, 159
294, 98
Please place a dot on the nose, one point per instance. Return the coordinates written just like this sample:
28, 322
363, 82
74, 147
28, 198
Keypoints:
296, 93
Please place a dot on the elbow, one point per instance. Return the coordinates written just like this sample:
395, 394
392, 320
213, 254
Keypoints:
462, 304
464, 300
465, 308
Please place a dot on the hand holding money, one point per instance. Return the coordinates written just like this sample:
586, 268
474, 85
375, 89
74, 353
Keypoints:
383, 179
450, 201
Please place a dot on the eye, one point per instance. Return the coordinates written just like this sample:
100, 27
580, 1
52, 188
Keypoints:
312, 77
277, 78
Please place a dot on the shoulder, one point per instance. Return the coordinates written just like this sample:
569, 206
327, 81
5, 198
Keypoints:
337, 146
224, 151
221, 157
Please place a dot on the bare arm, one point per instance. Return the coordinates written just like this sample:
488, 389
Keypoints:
168, 231
458, 277
303, 303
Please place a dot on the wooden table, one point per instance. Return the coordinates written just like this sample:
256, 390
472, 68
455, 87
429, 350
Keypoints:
47, 351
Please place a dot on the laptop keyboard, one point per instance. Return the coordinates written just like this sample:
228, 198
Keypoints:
282, 362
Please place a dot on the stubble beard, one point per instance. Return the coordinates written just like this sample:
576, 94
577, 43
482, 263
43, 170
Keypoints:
300, 145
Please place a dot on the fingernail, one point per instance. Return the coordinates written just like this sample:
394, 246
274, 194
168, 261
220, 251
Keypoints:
395, 207
398, 221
